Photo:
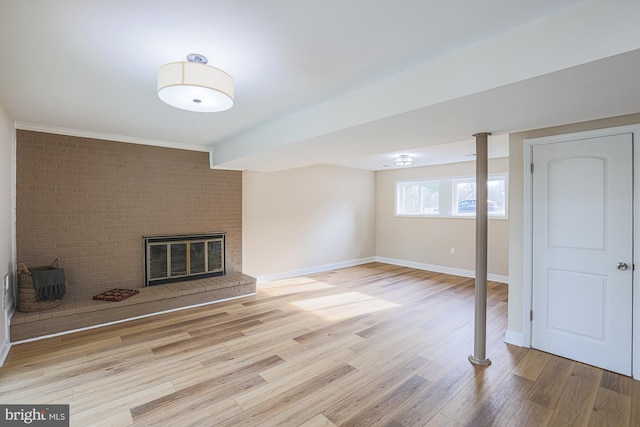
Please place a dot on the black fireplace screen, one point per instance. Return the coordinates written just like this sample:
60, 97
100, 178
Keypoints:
183, 257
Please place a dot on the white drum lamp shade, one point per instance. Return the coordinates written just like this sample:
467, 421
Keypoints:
195, 86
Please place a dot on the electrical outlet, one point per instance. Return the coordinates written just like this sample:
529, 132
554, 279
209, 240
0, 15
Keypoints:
453, 251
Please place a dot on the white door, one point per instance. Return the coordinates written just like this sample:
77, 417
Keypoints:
582, 240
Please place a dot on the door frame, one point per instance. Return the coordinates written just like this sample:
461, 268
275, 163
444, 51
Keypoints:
528, 230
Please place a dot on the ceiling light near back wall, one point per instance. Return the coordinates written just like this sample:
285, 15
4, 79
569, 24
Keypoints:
403, 160
195, 86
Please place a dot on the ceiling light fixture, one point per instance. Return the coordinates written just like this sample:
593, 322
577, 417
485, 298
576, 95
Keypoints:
403, 160
195, 86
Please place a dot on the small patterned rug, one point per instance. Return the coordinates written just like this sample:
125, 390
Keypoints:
116, 295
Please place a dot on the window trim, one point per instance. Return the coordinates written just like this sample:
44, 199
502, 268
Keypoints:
414, 182
447, 186
492, 177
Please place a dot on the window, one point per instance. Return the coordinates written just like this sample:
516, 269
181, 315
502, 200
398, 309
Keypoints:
418, 198
464, 191
450, 197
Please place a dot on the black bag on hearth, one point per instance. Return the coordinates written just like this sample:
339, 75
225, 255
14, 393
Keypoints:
49, 284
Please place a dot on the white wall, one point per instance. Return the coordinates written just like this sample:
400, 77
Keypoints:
427, 242
516, 324
307, 219
6, 206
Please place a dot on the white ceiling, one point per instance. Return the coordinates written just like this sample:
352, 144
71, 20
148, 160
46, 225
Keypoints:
350, 83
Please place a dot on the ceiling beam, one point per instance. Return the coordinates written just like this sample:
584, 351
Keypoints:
574, 36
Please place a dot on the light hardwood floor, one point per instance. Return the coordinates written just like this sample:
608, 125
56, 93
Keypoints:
373, 345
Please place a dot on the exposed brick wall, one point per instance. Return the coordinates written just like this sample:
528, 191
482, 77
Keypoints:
89, 202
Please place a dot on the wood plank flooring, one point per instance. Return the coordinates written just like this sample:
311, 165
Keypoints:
373, 345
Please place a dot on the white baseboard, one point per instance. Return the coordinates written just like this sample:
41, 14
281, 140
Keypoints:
399, 262
514, 338
4, 351
441, 269
312, 270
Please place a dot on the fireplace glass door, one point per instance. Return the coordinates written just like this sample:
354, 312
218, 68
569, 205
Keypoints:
198, 263
178, 259
175, 258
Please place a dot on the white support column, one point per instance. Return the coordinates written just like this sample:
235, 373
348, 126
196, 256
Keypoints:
479, 356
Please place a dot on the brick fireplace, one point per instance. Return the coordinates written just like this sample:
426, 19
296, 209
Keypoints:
90, 202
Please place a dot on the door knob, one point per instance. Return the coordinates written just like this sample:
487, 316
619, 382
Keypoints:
622, 266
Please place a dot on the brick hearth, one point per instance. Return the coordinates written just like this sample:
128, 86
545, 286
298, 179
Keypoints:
84, 312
